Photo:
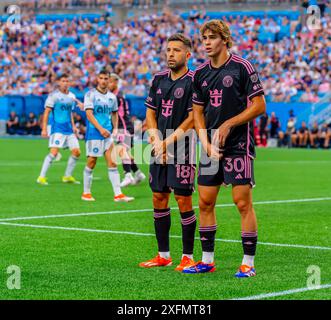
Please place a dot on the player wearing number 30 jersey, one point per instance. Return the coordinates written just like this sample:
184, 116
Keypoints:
227, 96
169, 119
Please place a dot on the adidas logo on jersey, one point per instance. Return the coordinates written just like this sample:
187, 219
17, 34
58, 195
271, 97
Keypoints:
159, 91
205, 84
239, 176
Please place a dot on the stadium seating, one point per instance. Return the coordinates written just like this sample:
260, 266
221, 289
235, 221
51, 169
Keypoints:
271, 29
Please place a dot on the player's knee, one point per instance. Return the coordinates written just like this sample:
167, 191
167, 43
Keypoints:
112, 164
76, 153
206, 205
122, 153
54, 152
184, 203
244, 206
160, 201
91, 162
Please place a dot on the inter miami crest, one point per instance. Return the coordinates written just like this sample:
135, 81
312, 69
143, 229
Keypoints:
179, 93
227, 81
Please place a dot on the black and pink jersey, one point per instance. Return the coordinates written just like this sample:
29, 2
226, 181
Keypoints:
171, 99
124, 122
172, 102
224, 93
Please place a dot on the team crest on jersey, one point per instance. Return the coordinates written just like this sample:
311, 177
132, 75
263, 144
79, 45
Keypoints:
227, 81
254, 78
216, 97
167, 107
179, 93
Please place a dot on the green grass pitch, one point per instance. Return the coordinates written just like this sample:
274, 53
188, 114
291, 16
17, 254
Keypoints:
96, 256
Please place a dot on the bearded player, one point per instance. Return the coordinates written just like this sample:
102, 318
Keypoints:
102, 121
169, 119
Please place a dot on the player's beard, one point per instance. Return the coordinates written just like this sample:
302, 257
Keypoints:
103, 88
176, 66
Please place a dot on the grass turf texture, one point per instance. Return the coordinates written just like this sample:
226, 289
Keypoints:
68, 264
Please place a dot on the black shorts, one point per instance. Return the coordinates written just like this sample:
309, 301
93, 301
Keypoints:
125, 140
172, 177
230, 170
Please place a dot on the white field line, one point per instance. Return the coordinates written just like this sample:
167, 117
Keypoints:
284, 293
141, 234
151, 210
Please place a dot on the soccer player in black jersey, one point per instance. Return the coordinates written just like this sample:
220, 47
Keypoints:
124, 138
170, 120
227, 96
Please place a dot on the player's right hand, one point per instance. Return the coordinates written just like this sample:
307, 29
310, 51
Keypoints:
159, 148
44, 133
105, 133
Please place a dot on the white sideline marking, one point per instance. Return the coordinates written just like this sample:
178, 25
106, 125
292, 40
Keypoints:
284, 293
151, 210
153, 235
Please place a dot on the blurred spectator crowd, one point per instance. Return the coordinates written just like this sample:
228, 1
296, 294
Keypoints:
268, 132
31, 124
64, 4
293, 62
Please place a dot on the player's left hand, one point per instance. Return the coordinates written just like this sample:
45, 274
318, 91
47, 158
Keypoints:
221, 134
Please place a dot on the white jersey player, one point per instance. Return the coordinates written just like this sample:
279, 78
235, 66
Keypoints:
60, 104
102, 118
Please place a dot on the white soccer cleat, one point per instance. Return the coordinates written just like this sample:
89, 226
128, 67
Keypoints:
128, 180
139, 177
123, 198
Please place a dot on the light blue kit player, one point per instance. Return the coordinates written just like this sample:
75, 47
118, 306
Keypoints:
102, 116
60, 104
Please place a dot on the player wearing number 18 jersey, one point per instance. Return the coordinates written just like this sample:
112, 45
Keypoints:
169, 114
227, 96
